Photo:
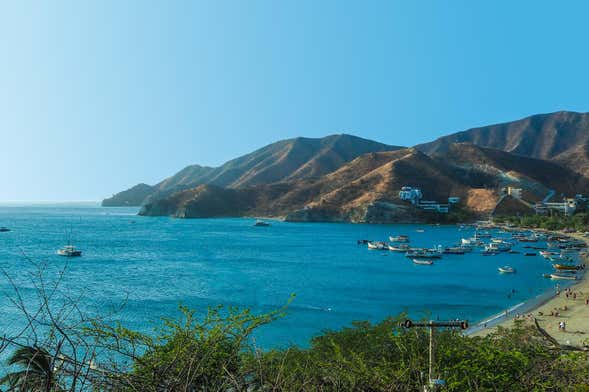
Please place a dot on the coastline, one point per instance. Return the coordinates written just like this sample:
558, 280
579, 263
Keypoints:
576, 315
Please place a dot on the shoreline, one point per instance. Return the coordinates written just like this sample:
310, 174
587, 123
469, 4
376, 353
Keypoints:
576, 315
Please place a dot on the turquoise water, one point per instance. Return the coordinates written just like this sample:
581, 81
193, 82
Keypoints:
157, 263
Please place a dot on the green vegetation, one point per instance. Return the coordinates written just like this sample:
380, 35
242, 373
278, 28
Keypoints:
578, 222
215, 353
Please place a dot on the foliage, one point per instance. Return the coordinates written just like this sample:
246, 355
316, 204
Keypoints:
578, 221
64, 350
38, 371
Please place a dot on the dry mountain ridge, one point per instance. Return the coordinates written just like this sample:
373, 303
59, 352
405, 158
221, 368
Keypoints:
562, 137
366, 188
287, 160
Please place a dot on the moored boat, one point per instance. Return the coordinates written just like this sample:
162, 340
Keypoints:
568, 267
498, 247
399, 238
4, 229
423, 262
506, 269
399, 248
260, 223
454, 250
423, 254
377, 245
69, 251
563, 277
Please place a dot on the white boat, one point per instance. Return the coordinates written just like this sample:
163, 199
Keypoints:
546, 253
399, 238
423, 254
69, 251
378, 245
506, 269
399, 248
260, 223
563, 277
423, 262
498, 247
420, 230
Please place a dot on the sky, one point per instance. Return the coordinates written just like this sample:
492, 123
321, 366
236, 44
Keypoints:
96, 96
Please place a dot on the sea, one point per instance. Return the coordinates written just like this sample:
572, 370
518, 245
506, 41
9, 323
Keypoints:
137, 270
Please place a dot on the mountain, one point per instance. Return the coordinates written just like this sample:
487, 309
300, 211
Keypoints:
366, 189
283, 161
346, 194
131, 197
562, 137
536, 176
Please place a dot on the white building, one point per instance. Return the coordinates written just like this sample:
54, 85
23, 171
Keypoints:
514, 192
567, 207
408, 193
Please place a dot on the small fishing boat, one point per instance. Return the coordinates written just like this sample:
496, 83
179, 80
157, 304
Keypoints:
377, 245
423, 262
506, 269
514, 252
423, 254
498, 247
489, 253
4, 229
529, 254
453, 250
260, 223
399, 248
563, 277
69, 251
482, 234
567, 267
399, 238
547, 253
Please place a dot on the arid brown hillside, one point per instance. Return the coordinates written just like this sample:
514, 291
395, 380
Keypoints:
287, 160
366, 189
562, 137
501, 169
360, 191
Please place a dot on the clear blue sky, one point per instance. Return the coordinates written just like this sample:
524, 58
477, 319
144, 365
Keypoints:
97, 96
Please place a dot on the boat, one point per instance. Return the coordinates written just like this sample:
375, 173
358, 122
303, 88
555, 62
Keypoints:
399, 248
531, 238
454, 250
260, 223
69, 251
471, 242
423, 254
420, 230
498, 247
529, 254
423, 262
560, 258
506, 269
378, 245
546, 253
482, 234
4, 229
489, 253
514, 252
563, 277
567, 267
399, 238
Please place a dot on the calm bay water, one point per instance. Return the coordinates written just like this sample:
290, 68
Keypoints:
157, 263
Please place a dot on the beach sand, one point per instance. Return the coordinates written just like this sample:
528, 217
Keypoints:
576, 315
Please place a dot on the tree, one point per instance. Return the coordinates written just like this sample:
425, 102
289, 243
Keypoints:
38, 374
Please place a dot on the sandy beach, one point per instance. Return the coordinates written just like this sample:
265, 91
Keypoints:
550, 309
